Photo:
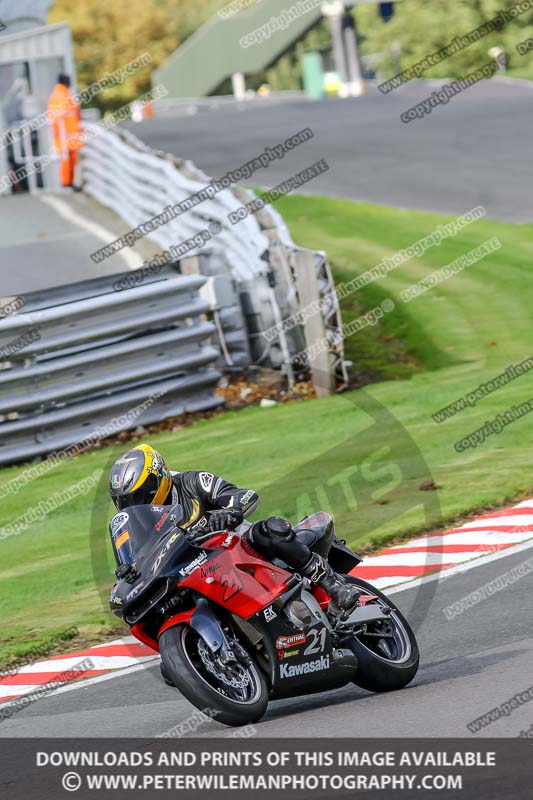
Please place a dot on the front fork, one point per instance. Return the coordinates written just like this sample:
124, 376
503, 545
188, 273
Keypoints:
206, 624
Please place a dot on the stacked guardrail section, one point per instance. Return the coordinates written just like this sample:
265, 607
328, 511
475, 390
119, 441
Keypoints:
256, 256
83, 362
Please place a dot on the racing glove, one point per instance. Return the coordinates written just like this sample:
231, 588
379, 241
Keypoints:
225, 519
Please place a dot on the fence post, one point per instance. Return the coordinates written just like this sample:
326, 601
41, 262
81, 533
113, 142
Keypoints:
321, 362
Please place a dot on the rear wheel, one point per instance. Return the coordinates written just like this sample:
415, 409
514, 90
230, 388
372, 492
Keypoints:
387, 650
235, 694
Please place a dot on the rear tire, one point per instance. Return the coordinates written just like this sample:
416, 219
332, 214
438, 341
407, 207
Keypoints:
180, 649
164, 675
375, 672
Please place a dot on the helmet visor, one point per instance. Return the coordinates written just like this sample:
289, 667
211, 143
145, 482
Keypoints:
143, 496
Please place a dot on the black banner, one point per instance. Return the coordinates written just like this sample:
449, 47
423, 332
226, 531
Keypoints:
237, 767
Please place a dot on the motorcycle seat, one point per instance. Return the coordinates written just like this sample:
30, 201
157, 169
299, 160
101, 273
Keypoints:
315, 528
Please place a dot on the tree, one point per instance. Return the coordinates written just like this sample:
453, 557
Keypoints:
423, 28
110, 35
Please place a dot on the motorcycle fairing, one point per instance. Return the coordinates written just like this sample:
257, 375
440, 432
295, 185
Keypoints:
297, 666
239, 582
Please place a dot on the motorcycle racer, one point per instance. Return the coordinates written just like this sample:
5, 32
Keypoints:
141, 476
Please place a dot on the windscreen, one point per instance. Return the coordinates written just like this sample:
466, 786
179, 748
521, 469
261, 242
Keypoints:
136, 530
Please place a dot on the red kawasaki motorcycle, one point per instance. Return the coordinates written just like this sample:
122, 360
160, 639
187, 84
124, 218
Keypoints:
235, 631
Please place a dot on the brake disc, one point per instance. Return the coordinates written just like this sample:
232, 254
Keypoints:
221, 672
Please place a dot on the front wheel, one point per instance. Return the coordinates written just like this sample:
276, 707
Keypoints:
235, 694
387, 650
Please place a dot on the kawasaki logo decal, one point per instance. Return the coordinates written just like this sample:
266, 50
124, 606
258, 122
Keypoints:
293, 670
198, 561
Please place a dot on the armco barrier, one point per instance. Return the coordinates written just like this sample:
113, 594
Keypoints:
257, 256
100, 361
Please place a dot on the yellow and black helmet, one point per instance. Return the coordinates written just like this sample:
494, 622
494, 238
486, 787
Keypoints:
139, 477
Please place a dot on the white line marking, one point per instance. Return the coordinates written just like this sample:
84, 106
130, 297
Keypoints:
7, 691
443, 574
483, 539
132, 260
59, 665
510, 521
98, 679
424, 558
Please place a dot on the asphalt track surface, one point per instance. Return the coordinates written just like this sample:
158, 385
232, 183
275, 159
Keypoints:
47, 240
472, 151
475, 150
469, 665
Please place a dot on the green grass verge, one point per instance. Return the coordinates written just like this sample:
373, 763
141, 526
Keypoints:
329, 452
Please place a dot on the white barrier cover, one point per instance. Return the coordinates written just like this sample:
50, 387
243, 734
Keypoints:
138, 184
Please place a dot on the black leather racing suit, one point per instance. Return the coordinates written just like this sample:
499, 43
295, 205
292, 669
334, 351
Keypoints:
200, 492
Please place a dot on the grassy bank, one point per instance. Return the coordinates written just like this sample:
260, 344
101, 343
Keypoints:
369, 454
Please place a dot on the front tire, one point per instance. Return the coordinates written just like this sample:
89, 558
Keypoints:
164, 675
384, 663
235, 695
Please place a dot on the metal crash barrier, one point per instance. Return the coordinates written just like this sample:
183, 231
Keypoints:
268, 279
82, 362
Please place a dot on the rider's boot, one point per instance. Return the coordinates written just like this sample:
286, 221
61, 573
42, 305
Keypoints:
318, 571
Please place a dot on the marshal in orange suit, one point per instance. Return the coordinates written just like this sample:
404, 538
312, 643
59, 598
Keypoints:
65, 118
